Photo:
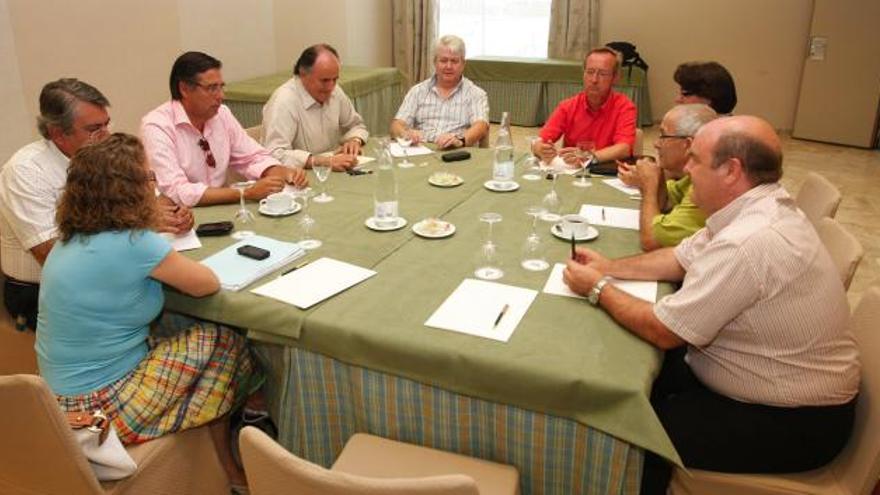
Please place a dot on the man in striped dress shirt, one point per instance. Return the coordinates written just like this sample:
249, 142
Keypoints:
448, 109
762, 371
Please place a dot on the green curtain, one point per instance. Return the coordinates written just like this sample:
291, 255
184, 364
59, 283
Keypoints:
413, 33
574, 28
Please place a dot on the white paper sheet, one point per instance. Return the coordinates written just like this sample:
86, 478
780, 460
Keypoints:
561, 167
361, 158
474, 307
183, 242
609, 216
314, 282
620, 186
397, 150
644, 290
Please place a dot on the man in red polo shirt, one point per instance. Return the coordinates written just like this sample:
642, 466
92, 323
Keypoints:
598, 114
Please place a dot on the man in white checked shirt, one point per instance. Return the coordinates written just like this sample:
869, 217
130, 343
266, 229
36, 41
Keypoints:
771, 372
448, 109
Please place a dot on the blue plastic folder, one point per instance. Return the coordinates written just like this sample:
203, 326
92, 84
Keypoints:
237, 272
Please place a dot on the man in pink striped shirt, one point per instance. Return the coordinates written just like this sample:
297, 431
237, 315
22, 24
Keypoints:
771, 370
193, 139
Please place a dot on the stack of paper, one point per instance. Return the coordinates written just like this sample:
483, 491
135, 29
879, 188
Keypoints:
314, 282
620, 186
398, 151
609, 216
236, 271
183, 242
560, 166
645, 290
484, 309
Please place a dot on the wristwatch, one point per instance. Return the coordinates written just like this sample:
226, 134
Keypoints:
596, 291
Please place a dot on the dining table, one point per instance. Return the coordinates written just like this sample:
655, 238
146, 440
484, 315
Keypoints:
565, 400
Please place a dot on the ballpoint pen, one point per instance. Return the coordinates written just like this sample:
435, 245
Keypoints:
573, 255
297, 267
603, 214
501, 315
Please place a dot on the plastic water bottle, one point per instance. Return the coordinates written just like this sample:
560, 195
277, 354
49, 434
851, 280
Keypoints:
502, 167
385, 194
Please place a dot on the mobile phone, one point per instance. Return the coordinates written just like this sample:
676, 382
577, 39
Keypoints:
454, 156
253, 252
214, 228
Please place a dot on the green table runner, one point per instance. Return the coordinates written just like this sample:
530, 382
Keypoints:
565, 358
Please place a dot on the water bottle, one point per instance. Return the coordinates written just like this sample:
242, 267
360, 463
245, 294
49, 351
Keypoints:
502, 166
385, 194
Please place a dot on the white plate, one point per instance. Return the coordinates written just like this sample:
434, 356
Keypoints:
269, 213
445, 179
372, 225
498, 186
433, 228
591, 234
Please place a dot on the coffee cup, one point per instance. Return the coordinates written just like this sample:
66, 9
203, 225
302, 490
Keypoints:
574, 224
277, 203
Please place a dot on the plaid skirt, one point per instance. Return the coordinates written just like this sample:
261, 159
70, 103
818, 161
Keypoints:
194, 373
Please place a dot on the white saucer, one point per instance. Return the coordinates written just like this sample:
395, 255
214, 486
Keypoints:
290, 211
498, 186
371, 224
445, 180
591, 234
438, 230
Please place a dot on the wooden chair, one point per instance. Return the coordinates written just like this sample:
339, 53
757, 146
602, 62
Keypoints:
844, 248
854, 471
38, 453
818, 198
371, 465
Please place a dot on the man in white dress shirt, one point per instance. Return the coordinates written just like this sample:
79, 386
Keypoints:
309, 115
762, 371
72, 115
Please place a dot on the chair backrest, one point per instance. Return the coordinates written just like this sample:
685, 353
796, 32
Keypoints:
255, 132
271, 469
818, 198
844, 248
857, 467
637, 145
38, 453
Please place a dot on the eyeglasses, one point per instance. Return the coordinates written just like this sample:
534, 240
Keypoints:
672, 136
203, 144
95, 130
211, 88
598, 72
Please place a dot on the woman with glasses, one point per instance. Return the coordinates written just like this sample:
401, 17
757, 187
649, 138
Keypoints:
102, 292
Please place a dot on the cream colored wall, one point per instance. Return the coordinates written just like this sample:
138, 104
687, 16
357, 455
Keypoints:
125, 48
762, 43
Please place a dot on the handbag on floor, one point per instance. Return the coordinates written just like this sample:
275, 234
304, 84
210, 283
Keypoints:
101, 446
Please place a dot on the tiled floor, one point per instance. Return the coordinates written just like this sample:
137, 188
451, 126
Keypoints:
856, 172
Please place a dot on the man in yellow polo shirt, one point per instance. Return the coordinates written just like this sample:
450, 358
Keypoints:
668, 214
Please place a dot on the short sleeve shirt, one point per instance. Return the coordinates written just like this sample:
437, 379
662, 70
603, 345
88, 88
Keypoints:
424, 109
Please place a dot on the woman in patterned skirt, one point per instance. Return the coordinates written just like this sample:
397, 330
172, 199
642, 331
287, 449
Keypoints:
101, 290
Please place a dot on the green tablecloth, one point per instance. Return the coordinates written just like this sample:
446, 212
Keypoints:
530, 88
566, 358
376, 92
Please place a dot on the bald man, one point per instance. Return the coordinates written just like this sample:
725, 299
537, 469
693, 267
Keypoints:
310, 115
763, 372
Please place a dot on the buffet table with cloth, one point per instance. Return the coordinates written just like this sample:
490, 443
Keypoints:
530, 88
376, 92
565, 400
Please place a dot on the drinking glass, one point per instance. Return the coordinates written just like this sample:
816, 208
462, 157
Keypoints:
244, 219
489, 262
586, 153
404, 140
322, 172
551, 202
533, 249
532, 164
306, 222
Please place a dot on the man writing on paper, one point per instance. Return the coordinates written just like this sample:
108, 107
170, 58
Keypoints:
310, 115
73, 114
762, 372
193, 139
448, 109
598, 114
668, 213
